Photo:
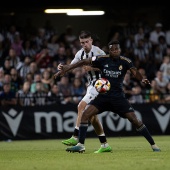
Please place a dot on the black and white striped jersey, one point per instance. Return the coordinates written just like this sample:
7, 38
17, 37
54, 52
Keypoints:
95, 51
25, 98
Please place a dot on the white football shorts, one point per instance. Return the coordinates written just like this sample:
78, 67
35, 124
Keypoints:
91, 94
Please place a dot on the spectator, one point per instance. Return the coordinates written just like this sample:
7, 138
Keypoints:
154, 92
54, 96
28, 50
165, 67
65, 88
7, 97
37, 79
54, 68
53, 45
29, 78
162, 45
40, 37
16, 81
25, 68
14, 59
61, 57
34, 69
17, 44
24, 96
7, 78
141, 54
157, 56
43, 59
78, 90
161, 82
136, 96
40, 96
147, 43
139, 35
7, 66
154, 35
47, 80
11, 33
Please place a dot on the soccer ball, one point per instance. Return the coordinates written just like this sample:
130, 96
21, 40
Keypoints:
102, 85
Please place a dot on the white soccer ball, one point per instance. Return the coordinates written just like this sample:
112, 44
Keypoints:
102, 85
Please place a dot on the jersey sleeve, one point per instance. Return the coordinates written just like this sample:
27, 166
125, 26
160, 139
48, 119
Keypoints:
76, 58
95, 61
130, 64
100, 52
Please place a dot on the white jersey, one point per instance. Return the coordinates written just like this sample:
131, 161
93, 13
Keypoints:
95, 51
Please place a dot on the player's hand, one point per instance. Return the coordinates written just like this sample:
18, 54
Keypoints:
63, 70
59, 67
146, 81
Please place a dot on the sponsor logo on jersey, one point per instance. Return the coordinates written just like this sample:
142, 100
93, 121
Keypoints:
120, 67
111, 73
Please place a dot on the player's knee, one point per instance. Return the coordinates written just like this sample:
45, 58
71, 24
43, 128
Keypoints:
80, 109
85, 118
81, 106
139, 123
136, 122
93, 119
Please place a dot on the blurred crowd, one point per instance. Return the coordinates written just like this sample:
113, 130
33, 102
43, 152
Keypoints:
29, 58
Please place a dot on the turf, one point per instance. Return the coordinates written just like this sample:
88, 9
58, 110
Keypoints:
128, 153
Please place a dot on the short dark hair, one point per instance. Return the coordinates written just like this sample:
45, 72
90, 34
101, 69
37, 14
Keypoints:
85, 34
113, 42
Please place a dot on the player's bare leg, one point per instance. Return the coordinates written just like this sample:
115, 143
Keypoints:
74, 139
99, 131
82, 105
94, 121
97, 125
101, 135
142, 129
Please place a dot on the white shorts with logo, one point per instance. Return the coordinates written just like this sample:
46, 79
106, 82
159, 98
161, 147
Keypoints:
91, 94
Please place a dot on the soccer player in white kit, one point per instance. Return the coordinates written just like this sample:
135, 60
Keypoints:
88, 50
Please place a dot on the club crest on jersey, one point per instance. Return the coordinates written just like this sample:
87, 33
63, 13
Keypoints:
120, 67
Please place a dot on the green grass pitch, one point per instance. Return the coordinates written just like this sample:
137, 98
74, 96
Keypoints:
128, 153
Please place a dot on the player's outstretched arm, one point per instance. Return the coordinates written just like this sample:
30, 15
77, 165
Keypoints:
90, 68
65, 68
138, 76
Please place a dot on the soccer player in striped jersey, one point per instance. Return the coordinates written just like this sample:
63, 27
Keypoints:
113, 67
88, 50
